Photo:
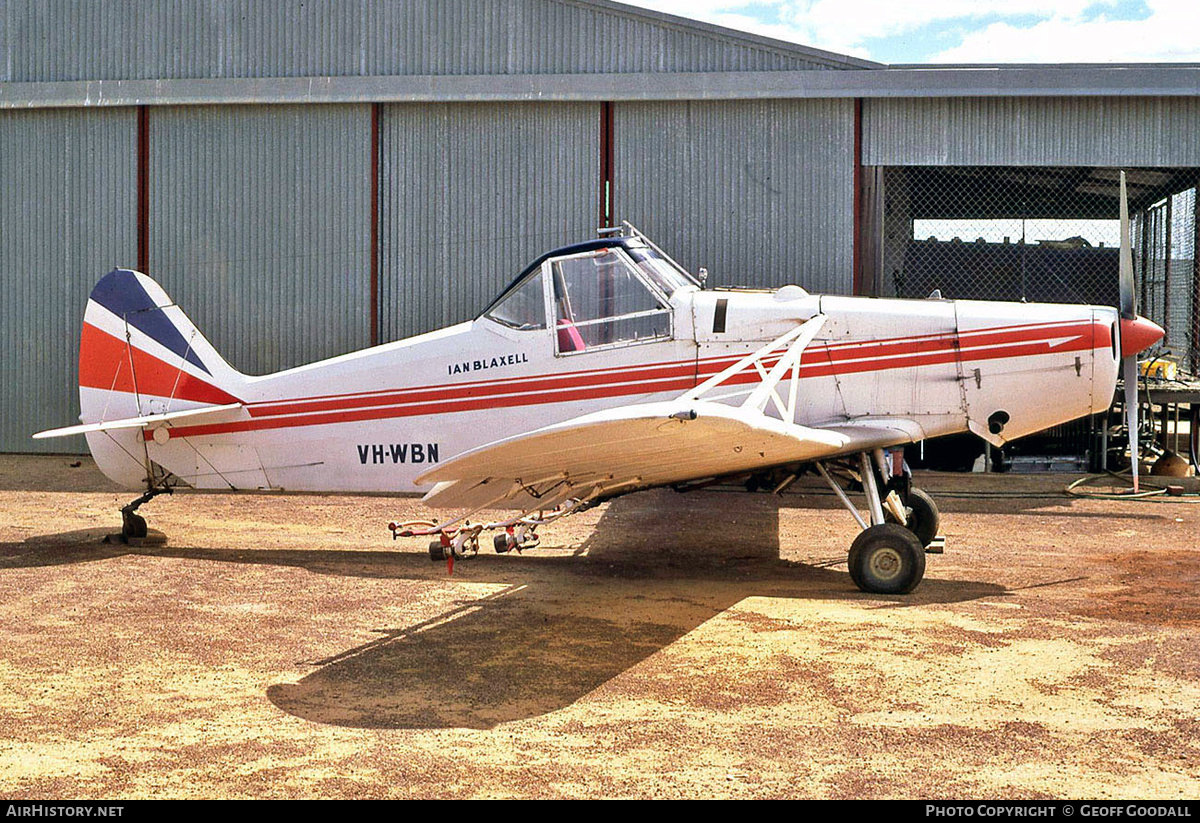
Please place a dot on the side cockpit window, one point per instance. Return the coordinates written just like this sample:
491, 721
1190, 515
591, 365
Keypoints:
600, 299
525, 308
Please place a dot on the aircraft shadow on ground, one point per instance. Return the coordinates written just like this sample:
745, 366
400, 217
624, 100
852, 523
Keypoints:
529, 650
64, 548
652, 571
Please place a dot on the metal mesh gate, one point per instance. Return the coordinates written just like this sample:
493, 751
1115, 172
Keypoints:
1164, 242
1036, 234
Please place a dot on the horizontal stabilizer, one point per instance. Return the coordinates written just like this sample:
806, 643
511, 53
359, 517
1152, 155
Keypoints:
208, 414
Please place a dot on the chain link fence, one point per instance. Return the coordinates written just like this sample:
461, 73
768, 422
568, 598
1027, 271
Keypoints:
1037, 234
1164, 242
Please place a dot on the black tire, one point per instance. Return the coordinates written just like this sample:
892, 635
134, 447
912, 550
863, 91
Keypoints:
437, 551
133, 526
924, 520
500, 543
887, 559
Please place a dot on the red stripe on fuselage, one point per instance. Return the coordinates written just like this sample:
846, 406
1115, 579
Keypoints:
451, 391
837, 352
818, 361
109, 363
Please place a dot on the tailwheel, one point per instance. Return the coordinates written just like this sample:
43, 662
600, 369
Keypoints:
924, 520
133, 526
134, 531
887, 559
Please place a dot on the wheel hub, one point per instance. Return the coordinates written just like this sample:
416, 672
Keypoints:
886, 563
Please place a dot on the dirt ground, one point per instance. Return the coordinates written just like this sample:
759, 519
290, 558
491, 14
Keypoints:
700, 645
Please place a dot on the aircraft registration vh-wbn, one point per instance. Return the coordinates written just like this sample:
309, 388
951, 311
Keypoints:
605, 368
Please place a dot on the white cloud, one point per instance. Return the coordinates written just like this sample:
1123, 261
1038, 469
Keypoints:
1167, 35
858, 20
1028, 31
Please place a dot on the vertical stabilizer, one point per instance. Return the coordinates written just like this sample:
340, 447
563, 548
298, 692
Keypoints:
140, 355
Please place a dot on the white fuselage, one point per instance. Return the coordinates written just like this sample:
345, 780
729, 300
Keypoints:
374, 420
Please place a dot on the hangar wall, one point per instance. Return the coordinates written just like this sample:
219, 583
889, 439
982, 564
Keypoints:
135, 39
760, 192
454, 230
67, 215
259, 227
761, 212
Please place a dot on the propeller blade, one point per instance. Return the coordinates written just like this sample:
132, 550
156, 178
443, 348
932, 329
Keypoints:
1137, 334
1128, 290
1130, 366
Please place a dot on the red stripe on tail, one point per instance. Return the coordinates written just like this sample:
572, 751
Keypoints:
106, 362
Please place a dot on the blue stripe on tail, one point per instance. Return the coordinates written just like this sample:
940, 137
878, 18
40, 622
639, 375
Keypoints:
120, 292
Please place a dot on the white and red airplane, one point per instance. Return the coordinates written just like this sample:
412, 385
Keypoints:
604, 369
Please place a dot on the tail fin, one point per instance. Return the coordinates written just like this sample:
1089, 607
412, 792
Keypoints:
140, 356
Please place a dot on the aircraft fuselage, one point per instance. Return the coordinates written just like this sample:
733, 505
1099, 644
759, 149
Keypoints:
374, 420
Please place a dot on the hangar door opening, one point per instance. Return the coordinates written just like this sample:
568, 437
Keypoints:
1037, 234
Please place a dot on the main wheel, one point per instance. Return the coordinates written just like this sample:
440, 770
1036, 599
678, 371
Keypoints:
923, 519
437, 551
887, 559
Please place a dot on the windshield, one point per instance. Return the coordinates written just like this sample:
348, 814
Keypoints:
659, 269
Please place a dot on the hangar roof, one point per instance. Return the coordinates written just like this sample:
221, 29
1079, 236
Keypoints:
79, 40
1000, 81
78, 53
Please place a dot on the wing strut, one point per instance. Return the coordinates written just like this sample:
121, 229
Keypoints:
796, 341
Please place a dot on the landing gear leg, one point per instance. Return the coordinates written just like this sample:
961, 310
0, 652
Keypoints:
885, 558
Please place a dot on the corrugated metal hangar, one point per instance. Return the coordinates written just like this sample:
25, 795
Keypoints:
308, 178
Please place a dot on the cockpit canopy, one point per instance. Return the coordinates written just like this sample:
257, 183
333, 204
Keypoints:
596, 294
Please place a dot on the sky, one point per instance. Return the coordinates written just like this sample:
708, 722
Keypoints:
967, 31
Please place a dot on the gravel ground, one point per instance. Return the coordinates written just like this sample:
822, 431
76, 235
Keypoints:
700, 645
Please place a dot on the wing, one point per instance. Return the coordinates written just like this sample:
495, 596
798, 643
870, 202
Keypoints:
865, 433
623, 449
693, 437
